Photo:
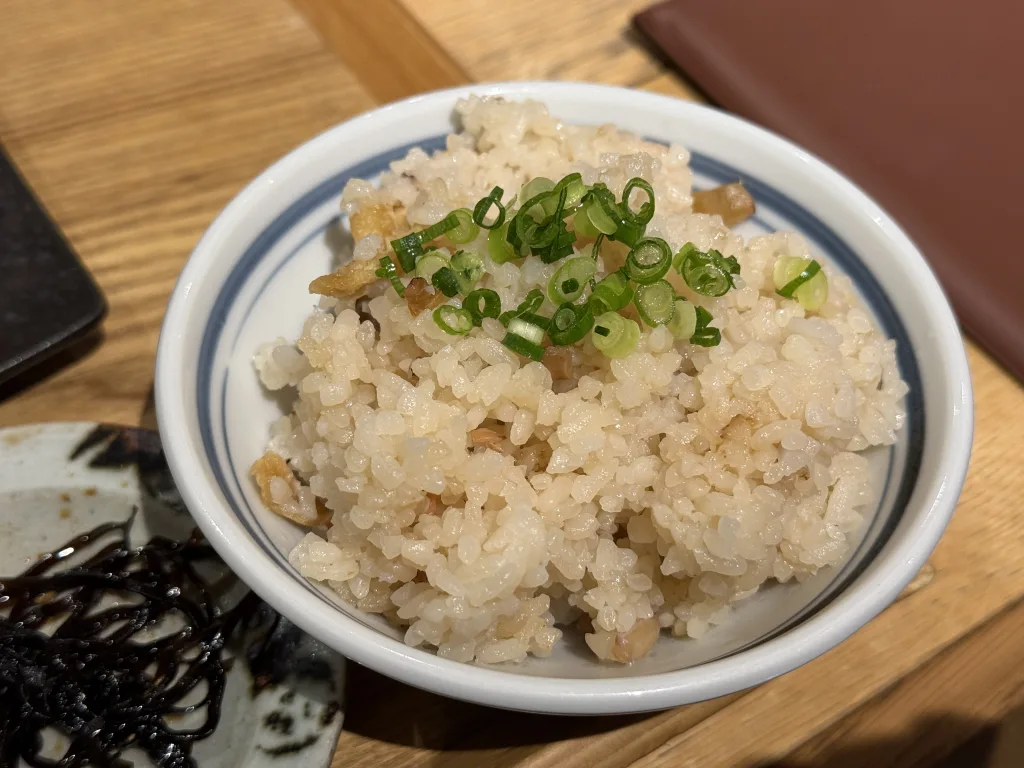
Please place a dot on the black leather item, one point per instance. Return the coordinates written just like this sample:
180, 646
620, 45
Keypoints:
47, 299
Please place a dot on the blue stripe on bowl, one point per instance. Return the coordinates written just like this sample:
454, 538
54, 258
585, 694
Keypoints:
766, 195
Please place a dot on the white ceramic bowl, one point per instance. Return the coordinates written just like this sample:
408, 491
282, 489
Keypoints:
246, 283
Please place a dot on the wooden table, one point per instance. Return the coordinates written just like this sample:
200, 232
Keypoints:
137, 120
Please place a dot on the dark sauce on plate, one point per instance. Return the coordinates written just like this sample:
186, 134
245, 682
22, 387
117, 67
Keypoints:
112, 651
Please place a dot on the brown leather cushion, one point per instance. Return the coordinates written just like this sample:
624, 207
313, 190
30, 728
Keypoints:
918, 101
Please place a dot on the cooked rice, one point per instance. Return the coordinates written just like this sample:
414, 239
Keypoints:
680, 479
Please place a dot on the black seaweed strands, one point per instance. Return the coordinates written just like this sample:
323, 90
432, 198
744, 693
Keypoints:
86, 651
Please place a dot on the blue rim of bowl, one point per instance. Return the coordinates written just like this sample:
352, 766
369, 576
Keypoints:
803, 220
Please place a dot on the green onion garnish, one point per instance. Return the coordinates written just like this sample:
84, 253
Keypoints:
603, 211
801, 279
388, 272
646, 212
498, 248
649, 260
582, 224
408, 249
445, 281
481, 303
467, 230
569, 280
561, 247
536, 192
615, 336
483, 207
525, 334
453, 320
704, 335
684, 320
575, 189
445, 225
655, 302
533, 319
521, 346
808, 272
468, 268
429, 263
709, 274
612, 293
570, 323
531, 303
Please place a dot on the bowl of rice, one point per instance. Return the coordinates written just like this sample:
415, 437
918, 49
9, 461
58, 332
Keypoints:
564, 398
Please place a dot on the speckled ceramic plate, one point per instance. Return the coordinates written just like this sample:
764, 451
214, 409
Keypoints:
61, 480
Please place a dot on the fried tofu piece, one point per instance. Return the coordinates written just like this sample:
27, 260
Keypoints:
380, 219
421, 297
730, 201
271, 466
487, 438
351, 279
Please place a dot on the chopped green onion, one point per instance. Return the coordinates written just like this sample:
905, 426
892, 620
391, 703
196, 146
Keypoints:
408, 249
388, 272
603, 211
655, 302
709, 274
498, 248
560, 247
649, 260
537, 191
525, 334
481, 303
468, 268
801, 279
429, 263
453, 320
483, 207
629, 232
531, 304
704, 335
533, 319
582, 224
614, 335
444, 226
646, 212
683, 254
523, 347
575, 190
684, 320
445, 281
467, 230
612, 293
597, 244
570, 323
577, 273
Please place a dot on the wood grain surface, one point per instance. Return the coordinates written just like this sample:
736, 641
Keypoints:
137, 121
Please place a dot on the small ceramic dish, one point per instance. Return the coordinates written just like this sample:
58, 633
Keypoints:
246, 283
58, 481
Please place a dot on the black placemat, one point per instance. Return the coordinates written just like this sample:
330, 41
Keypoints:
47, 299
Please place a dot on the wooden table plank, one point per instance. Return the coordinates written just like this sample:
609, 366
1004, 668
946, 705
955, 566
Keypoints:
541, 40
917, 722
136, 123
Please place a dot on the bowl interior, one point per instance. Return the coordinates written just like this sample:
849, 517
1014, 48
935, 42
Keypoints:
247, 284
